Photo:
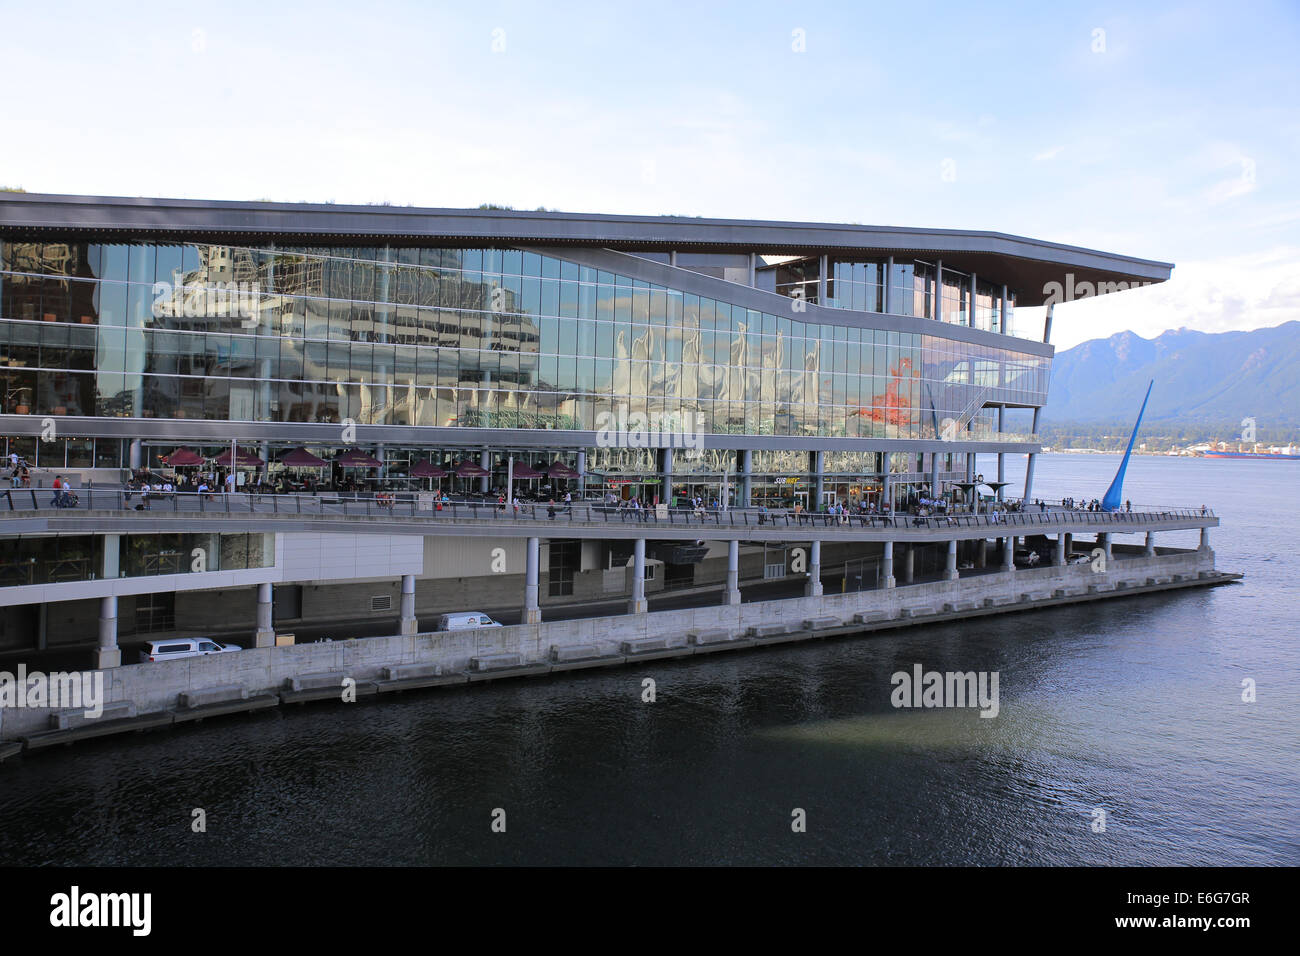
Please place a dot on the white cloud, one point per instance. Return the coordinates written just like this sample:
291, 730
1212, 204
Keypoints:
1047, 154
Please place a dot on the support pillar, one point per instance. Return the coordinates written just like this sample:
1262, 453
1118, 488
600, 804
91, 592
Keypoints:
108, 654
1103, 542
1205, 540
666, 475
532, 611
982, 553
485, 461
1060, 550
887, 565
909, 564
1069, 545
408, 623
638, 603
732, 594
814, 586
821, 280
746, 476
1002, 458
937, 311
265, 634
970, 304
1008, 554
136, 454
950, 569
1150, 550
1029, 465
886, 489
819, 479
934, 474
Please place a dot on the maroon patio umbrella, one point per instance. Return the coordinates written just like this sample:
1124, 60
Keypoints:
356, 458
558, 469
524, 471
301, 458
183, 457
467, 469
425, 470
244, 460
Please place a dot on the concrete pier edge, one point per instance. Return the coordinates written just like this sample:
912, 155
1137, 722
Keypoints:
268, 677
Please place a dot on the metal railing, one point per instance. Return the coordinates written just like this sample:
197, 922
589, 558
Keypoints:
589, 514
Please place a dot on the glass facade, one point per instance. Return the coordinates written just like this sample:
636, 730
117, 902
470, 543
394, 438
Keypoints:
495, 338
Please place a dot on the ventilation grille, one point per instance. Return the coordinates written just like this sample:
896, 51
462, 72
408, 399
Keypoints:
381, 602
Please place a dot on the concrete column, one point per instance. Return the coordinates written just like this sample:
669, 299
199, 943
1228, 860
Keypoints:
819, 478
136, 454
1004, 326
971, 302
1205, 540
938, 291
889, 276
821, 280
666, 474
732, 595
672, 258
753, 269
746, 476
982, 553
1060, 549
485, 461
265, 635
1008, 554
950, 569
1103, 542
582, 475
382, 470
1069, 545
886, 496
887, 565
1029, 465
1002, 458
934, 474
638, 603
1150, 550
265, 455
909, 564
532, 610
814, 586
108, 654
1047, 326
408, 623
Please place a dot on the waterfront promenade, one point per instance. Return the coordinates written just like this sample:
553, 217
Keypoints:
113, 511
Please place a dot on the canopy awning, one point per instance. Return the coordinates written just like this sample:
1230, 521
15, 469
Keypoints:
424, 469
301, 458
558, 469
183, 457
243, 460
526, 471
355, 458
467, 469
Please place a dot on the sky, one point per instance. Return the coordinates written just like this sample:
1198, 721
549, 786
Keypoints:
1165, 131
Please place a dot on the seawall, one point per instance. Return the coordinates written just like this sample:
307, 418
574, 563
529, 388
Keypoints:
265, 673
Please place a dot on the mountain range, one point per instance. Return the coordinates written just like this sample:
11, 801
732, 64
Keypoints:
1220, 377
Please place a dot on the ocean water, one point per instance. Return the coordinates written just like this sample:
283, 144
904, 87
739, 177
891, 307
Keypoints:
1130, 708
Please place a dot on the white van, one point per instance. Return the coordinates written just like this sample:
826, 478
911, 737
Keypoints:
465, 621
183, 647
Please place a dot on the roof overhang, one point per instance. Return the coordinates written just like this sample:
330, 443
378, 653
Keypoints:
1028, 266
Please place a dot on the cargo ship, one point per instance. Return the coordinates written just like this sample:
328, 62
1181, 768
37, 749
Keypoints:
1286, 454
